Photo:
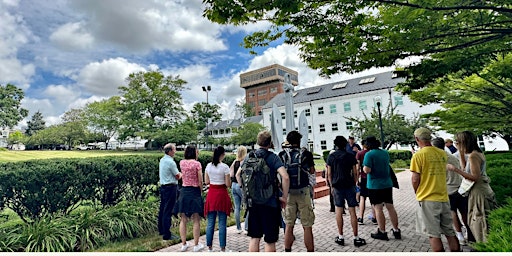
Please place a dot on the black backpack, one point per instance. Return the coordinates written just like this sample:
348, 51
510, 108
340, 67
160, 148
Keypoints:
259, 183
293, 159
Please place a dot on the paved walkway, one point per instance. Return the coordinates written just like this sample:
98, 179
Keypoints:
325, 229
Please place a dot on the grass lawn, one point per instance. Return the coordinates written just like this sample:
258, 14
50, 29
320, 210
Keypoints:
14, 156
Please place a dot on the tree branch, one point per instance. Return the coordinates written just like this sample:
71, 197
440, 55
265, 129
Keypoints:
448, 8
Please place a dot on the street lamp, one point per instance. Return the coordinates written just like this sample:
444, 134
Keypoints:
378, 101
207, 89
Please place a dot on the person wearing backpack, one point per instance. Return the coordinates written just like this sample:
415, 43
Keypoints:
258, 176
342, 175
299, 164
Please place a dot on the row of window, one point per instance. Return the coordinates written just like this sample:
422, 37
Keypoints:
262, 92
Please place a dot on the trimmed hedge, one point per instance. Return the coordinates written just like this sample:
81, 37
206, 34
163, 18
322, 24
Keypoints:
393, 155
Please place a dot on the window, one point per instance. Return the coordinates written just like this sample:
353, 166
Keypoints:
339, 86
262, 102
282, 115
309, 129
399, 100
273, 90
362, 105
367, 80
321, 110
314, 90
322, 128
334, 126
332, 108
251, 94
307, 112
262, 92
323, 144
295, 113
284, 131
349, 125
346, 106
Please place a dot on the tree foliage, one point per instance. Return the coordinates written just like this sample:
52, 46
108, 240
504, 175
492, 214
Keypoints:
481, 102
244, 108
182, 133
247, 134
104, 117
15, 138
35, 124
396, 128
352, 35
202, 112
11, 112
151, 102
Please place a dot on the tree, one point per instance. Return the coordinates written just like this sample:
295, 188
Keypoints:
182, 133
352, 35
35, 124
202, 112
73, 128
104, 117
151, 102
247, 134
11, 112
15, 138
396, 128
481, 102
244, 108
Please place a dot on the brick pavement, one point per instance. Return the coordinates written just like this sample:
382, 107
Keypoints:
325, 229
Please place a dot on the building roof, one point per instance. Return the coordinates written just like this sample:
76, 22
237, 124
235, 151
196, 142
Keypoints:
345, 87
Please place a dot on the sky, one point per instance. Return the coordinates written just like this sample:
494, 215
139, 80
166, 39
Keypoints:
65, 54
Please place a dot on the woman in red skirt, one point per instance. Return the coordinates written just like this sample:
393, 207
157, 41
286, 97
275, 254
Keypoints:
218, 202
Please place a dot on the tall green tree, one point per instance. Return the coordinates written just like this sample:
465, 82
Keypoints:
396, 128
73, 130
353, 35
11, 112
202, 112
151, 102
104, 117
182, 133
35, 124
481, 102
15, 138
247, 134
244, 108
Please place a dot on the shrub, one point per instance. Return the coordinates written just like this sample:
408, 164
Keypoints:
500, 230
394, 155
498, 169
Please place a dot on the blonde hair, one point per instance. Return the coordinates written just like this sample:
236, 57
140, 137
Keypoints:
241, 152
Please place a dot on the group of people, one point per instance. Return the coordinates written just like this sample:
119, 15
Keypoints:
353, 174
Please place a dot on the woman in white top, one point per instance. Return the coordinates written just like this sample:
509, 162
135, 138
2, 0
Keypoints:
218, 201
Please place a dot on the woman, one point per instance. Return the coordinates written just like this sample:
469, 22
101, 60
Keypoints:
218, 202
481, 199
190, 202
241, 152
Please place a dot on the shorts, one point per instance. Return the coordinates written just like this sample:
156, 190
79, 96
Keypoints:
363, 190
342, 194
379, 196
434, 219
264, 221
458, 202
299, 200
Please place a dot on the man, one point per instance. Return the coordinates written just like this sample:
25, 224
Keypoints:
380, 188
299, 195
457, 202
169, 176
449, 144
362, 180
428, 167
342, 175
352, 147
265, 219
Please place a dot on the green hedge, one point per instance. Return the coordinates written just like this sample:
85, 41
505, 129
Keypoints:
404, 155
498, 169
500, 230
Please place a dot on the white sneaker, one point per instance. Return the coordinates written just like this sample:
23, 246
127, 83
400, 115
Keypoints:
198, 247
184, 247
210, 250
239, 231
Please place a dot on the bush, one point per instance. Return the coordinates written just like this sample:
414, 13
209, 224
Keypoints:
394, 155
500, 230
498, 169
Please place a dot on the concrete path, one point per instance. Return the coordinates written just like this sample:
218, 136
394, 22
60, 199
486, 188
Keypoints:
325, 229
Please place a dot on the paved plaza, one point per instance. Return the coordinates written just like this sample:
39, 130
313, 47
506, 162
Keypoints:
325, 229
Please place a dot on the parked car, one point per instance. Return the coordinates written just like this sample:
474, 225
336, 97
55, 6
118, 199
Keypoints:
82, 147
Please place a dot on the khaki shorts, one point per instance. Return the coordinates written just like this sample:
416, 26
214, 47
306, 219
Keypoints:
299, 200
434, 219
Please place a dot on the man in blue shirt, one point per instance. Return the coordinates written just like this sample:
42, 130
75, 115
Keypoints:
169, 176
352, 147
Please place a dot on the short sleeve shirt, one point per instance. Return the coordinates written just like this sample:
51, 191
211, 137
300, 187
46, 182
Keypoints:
189, 169
167, 170
430, 163
360, 159
342, 164
217, 174
378, 161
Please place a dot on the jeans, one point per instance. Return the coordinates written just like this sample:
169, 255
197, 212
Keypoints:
236, 191
167, 201
210, 228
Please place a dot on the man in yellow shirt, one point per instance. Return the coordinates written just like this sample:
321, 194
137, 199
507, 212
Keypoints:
433, 216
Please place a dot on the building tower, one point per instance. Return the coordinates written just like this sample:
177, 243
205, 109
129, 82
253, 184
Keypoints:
261, 85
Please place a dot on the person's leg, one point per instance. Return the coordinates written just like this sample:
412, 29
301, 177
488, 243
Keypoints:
288, 237
254, 244
436, 244
270, 247
353, 220
222, 230
453, 243
183, 229
456, 222
246, 221
165, 212
362, 206
393, 216
237, 198
379, 215
210, 228
290, 217
308, 239
197, 228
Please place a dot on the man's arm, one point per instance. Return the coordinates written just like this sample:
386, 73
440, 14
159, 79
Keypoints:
367, 169
415, 180
285, 184
355, 174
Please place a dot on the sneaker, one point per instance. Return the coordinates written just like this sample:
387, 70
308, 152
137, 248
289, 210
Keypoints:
210, 250
359, 242
339, 241
199, 247
184, 247
397, 234
374, 221
239, 231
380, 235
360, 221
331, 210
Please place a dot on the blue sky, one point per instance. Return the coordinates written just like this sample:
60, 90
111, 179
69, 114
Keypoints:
64, 54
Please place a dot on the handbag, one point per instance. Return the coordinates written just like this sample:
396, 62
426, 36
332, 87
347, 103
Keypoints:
393, 177
465, 187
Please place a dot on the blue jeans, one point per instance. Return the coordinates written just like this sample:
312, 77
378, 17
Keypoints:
167, 201
236, 191
210, 228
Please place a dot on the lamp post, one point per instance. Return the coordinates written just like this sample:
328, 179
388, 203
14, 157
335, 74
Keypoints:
378, 101
207, 89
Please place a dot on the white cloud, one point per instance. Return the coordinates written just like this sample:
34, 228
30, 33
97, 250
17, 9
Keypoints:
72, 36
61, 94
104, 78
